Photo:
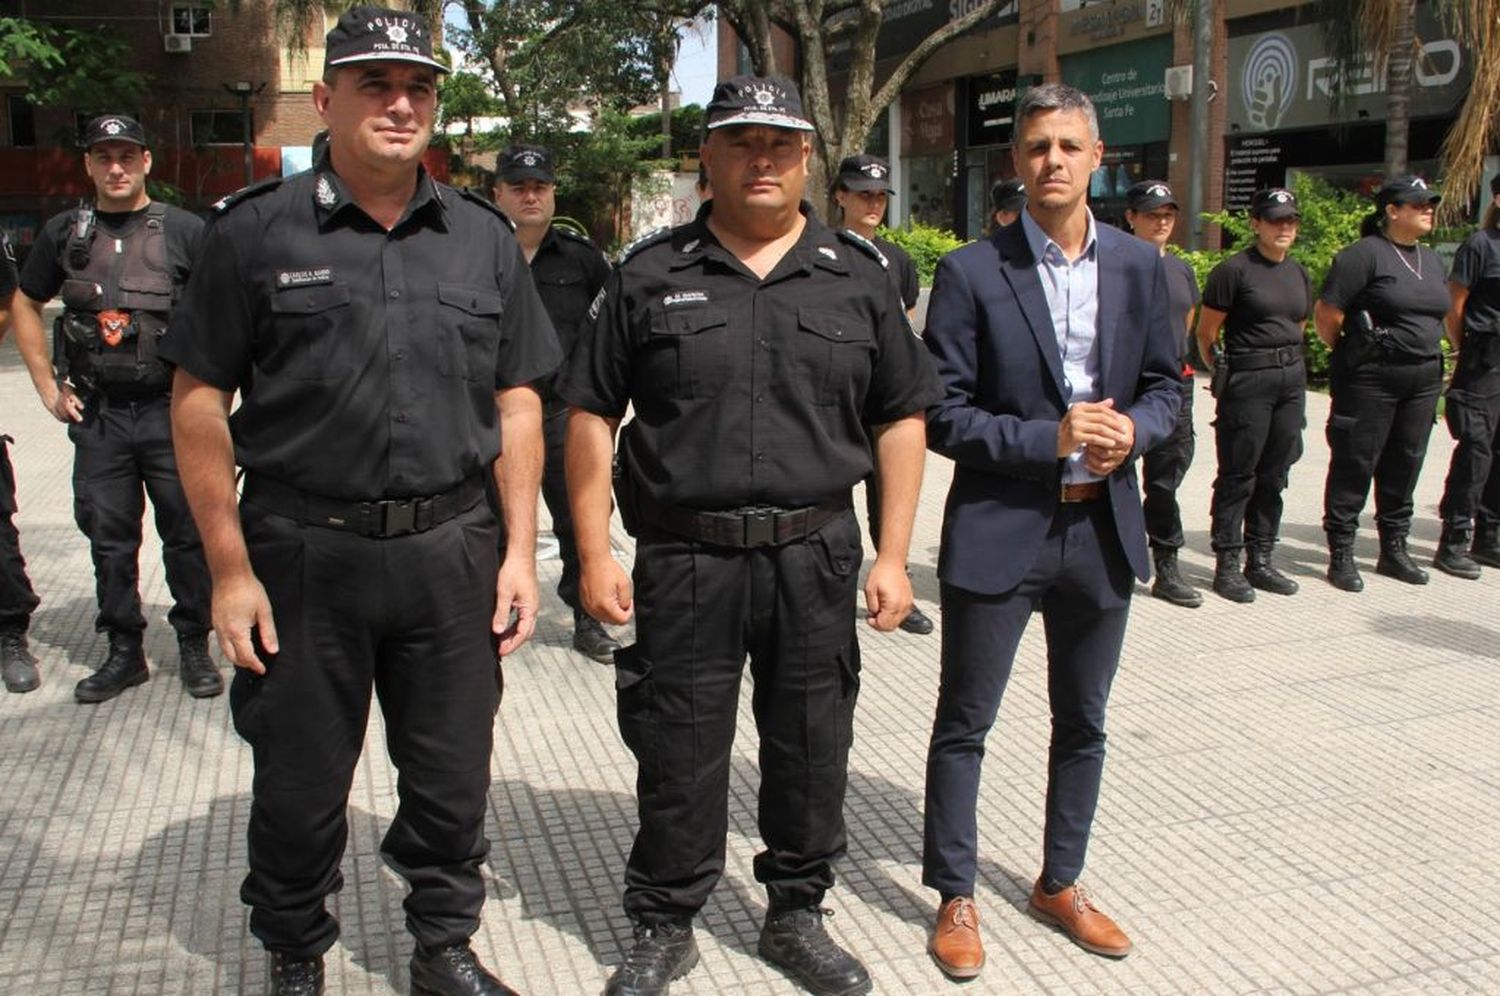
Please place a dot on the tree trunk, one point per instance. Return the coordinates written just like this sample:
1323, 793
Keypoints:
1398, 92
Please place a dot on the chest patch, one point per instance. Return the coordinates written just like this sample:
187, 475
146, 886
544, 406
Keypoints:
685, 297
304, 278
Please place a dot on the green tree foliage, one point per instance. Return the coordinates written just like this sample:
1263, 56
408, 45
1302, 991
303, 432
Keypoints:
596, 169
69, 67
925, 244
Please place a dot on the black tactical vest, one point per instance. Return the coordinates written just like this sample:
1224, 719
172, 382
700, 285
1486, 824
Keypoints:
116, 298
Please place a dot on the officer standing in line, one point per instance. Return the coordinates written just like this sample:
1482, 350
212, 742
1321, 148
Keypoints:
1007, 201
1471, 495
119, 265
771, 367
17, 599
1261, 299
569, 271
862, 190
1151, 212
1388, 294
364, 301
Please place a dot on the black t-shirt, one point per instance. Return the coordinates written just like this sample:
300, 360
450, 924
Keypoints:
1403, 289
8, 277
43, 274
749, 391
1266, 304
1182, 298
1477, 267
568, 271
367, 361
902, 270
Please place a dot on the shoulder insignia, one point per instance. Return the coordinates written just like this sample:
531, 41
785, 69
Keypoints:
246, 193
865, 246
651, 238
470, 194
573, 236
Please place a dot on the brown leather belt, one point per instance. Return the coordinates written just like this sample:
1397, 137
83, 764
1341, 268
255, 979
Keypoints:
1082, 491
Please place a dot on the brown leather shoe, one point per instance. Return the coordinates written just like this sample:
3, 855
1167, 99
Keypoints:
955, 944
1077, 916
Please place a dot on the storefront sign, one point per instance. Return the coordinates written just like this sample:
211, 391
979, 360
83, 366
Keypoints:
1284, 78
927, 121
1251, 163
1127, 85
992, 108
1108, 20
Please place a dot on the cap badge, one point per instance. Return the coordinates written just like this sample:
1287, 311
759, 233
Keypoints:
873, 170
1158, 190
112, 127
764, 97
1419, 183
327, 196
396, 33
1281, 197
529, 159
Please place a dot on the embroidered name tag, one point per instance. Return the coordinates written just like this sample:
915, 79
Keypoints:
304, 278
685, 297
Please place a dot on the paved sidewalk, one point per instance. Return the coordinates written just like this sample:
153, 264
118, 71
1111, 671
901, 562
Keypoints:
1302, 795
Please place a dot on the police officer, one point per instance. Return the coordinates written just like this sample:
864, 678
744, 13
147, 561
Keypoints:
1471, 496
1007, 200
17, 599
1388, 295
569, 271
1260, 299
1151, 212
862, 189
362, 301
766, 358
119, 265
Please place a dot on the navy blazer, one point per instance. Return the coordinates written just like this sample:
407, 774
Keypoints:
990, 334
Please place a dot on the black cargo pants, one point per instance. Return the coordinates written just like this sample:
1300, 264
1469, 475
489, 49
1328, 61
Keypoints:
17, 598
1473, 416
1258, 435
1163, 469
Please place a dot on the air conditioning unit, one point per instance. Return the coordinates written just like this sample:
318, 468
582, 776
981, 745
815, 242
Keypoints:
1179, 82
177, 44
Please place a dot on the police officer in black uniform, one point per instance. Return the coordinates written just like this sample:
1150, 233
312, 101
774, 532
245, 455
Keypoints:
569, 271
382, 330
1007, 201
771, 368
119, 265
1151, 211
1388, 296
17, 599
1261, 299
862, 189
1471, 497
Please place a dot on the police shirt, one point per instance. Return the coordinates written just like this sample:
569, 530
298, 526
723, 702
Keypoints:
43, 275
367, 361
8, 275
569, 271
1477, 267
1182, 298
902, 270
749, 391
1266, 303
1404, 289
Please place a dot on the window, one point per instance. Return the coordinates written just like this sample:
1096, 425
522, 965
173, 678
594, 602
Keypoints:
218, 128
22, 117
192, 19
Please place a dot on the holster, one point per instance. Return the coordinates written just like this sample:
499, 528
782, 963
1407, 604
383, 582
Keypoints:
1220, 375
627, 498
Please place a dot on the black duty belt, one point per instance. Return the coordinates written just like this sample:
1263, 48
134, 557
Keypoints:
742, 528
1264, 359
381, 519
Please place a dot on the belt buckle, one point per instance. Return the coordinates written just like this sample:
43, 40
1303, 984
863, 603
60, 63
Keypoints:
1286, 355
760, 528
398, 516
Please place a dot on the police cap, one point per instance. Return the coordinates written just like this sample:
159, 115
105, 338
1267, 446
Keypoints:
756, 100
113, 128
1148, 195
376, 34
864, 172
1406, 190
526, 162
1274, 204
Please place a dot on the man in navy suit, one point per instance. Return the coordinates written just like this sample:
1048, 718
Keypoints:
1059, 365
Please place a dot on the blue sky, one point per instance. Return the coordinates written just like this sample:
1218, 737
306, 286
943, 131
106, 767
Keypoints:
697, 64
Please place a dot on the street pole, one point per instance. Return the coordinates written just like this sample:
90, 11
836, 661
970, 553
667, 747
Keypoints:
1203, 42
244, 90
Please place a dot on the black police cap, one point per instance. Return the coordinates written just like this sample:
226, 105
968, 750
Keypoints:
865, 172
756, 100
526, 162
377, 34
1008, 195
113, 128
1406, 190
1274, 204
1148, 195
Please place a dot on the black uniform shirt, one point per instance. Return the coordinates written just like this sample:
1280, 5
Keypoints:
1266, 304
8, 275
749, 391
1378, 276
568, 271
1182, 297
1477, 267
367, 361
902, 270
43, 274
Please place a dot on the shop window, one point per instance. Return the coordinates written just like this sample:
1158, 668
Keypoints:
218, 128
192, 19
21, 116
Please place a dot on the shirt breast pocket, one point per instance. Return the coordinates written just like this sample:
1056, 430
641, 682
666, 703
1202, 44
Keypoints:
311, 329
687, 352
469, 326
832, 356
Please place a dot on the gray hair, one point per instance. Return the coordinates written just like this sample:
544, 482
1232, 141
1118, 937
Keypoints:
1057, 97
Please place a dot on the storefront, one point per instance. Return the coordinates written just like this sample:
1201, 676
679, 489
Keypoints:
929, 155
989, 122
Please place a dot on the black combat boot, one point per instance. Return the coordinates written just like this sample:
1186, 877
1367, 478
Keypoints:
453, 971
1486, 547
1395, 562
1343, 574
200, 676
662, 952
796, 943
296, 976
1228, 580
1452, 555
1169, 585
17, 665
916, 622
592, 640
124, 668
1262, 573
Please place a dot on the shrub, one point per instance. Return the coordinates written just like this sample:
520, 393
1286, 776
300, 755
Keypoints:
925, 244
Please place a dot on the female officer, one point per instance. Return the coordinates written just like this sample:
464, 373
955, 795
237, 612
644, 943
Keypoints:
1473, 409
1261, 299
1388, 295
